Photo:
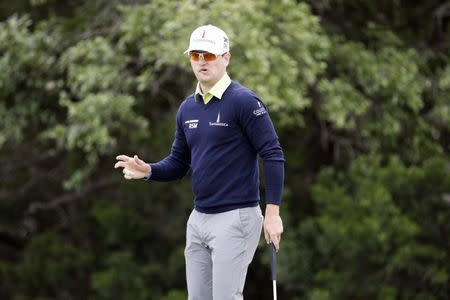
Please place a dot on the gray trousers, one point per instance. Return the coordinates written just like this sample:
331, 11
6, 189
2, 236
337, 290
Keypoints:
219, 248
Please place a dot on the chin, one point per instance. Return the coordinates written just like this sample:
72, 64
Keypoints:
205, 79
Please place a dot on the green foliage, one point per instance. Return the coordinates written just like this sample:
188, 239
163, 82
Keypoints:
122, 278
441, 111
93, 66
344, 105
52, 266
27, 59
116, 223
374, 95
373, 236
25, 55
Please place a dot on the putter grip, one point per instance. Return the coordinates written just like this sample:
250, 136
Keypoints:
273, 261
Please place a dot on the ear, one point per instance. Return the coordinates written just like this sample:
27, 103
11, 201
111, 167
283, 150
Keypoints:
227, 57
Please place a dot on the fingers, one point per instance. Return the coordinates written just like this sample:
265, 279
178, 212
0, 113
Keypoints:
273, 228
120, 164
275, 238
123, 158
127, 161
127, 174
276, 242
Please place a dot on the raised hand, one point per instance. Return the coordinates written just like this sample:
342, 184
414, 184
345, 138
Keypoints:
133, 167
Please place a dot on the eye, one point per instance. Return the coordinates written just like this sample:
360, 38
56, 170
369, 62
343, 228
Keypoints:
194, 56
209, 56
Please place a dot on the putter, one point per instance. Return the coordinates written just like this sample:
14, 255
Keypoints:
273, 264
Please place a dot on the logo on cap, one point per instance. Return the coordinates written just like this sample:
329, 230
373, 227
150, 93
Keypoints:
203, 35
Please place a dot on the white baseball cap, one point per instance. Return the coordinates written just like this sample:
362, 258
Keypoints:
209, 38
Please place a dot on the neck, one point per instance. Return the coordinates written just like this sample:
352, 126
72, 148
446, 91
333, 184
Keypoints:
206, 87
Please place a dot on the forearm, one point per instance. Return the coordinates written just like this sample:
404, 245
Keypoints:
274, 181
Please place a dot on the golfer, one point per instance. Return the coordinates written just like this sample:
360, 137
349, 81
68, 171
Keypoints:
221, 130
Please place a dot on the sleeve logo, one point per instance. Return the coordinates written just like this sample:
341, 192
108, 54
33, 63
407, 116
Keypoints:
260, 111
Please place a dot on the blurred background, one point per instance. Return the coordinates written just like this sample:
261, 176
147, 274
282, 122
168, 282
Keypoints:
359, 92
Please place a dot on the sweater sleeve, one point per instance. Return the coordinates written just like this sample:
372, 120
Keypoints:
177, 163
258, 127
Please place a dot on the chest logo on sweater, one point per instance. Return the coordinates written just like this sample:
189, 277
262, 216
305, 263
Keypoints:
217, 122
192, 124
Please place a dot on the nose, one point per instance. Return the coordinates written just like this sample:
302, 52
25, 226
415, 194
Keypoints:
202, 58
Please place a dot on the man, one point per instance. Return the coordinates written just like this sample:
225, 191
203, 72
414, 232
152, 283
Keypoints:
220, 131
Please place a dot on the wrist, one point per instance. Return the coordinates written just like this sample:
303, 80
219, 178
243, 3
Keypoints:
149, 172
272, 209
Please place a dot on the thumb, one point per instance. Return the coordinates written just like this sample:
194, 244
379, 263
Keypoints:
139, 161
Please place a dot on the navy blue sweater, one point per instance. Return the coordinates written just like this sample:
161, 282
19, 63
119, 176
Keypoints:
221, 141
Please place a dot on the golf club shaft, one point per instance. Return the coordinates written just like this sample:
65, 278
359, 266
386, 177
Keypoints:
273, 263
274, 289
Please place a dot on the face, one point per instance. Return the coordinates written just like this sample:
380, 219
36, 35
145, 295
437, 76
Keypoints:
209, 72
